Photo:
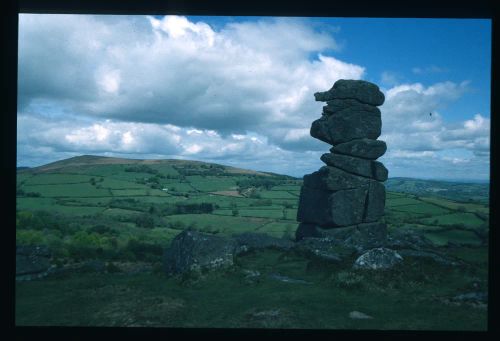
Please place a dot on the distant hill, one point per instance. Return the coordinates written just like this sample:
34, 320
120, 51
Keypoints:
458, 191
83, 161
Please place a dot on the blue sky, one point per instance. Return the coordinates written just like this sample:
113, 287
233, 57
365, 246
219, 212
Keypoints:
239, 90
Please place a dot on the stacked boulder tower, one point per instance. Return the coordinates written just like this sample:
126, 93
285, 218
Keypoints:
348, 192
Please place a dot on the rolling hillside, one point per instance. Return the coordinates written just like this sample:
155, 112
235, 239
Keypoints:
118, 215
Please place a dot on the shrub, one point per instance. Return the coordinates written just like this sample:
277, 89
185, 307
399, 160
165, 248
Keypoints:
144, 251
145, 221
29, 237
101, 229
83, 245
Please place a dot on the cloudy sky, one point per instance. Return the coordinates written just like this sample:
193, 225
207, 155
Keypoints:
239, 90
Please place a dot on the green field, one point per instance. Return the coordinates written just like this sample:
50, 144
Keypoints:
131, 212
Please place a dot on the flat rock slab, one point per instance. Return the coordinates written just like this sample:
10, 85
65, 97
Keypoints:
345, 106
363, 148
367, 168
378, 259
360, 90
334, 179
347, 125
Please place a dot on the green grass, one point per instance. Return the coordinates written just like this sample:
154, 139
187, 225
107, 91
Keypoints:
293, 188
34, 204
392, 195
119, 212
67, 190
441, 238
277, 195
401, 201
55, 179
212, 184
482, 208
113, 183
422, 208
227, 301
468, 220
225, 224
404, 298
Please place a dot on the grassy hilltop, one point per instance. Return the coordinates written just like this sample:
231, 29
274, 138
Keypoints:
124, 212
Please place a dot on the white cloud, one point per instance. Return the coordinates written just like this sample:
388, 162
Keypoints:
174, 87
247, 77
428, 70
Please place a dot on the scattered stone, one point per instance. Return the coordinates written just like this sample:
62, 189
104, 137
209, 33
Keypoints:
286, 279
355, 165
360, 90
251, 276
480, 297
251, 273
357, 315
378, 259
194, 251
363, 148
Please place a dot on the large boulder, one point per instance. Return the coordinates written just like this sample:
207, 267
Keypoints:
32, 261
378, 259
360, 90
332, 209
368, 168
363, 148
346, 125
194, 251
340, 105
334, 179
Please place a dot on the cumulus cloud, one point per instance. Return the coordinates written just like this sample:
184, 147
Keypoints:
412, 120
171, 87
174, 71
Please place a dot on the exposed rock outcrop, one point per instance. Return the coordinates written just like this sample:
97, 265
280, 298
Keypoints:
348, 191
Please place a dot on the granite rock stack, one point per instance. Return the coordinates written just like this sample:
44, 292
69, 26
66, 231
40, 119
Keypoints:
348, 192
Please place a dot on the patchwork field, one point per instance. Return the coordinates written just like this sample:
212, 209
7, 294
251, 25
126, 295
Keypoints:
92, 208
